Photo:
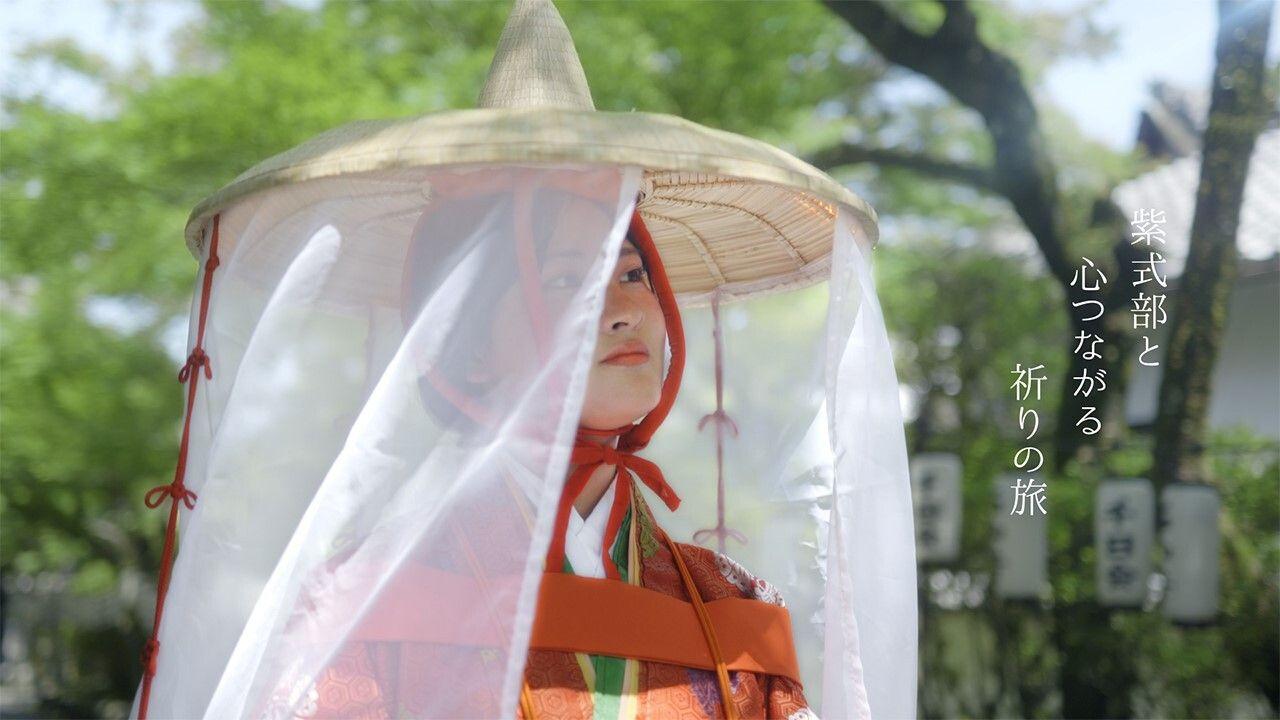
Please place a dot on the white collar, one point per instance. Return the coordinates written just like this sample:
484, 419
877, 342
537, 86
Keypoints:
583, 536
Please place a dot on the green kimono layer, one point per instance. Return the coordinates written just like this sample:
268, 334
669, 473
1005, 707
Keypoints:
609, 669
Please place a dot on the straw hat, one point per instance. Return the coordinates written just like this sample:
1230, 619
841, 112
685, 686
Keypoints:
725, 211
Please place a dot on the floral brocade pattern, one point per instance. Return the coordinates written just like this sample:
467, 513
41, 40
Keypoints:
753, 586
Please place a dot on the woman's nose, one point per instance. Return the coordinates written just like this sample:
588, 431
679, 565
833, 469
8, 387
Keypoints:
620, 310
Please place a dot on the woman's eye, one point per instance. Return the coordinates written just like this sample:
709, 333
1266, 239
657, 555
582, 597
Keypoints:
563, 281
636, 275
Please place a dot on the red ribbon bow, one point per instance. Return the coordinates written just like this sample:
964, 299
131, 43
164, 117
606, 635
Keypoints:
157, 494
197, 358
588, 456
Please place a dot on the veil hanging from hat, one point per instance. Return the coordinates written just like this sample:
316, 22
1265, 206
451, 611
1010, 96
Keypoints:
336, 478
809, 442
327, 467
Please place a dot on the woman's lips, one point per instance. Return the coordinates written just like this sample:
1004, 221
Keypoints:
632, 352
632, 358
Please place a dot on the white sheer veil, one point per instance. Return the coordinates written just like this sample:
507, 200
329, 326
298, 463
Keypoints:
342, 450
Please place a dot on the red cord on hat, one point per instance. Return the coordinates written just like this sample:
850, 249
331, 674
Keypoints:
177, 491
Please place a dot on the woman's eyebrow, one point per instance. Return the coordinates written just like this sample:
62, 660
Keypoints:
626, 250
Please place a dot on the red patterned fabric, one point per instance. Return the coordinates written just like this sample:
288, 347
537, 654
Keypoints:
352, 685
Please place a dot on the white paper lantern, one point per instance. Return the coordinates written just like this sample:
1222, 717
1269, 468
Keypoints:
937, 497
1123, 531
1191, 540
1022, 540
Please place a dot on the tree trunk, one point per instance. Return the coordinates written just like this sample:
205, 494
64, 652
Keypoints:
1238, 110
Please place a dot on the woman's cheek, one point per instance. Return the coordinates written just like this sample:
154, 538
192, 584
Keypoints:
513, 344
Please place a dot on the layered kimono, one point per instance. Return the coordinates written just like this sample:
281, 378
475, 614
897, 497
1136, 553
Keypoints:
372, 677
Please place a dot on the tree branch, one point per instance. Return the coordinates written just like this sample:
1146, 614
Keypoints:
952, 171
990, 83
959, 21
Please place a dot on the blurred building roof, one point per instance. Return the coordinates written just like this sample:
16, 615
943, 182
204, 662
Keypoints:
1245, 383
1171, 126
1172, 121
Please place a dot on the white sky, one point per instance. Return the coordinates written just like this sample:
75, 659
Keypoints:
1169, 40
1159, 39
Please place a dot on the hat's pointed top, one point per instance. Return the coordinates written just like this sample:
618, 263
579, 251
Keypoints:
535, 64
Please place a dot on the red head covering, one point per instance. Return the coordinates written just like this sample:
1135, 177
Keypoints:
588, 455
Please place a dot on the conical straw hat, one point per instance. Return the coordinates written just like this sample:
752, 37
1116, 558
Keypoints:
725, 211
535, 64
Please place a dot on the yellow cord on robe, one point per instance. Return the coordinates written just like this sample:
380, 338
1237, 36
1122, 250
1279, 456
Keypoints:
722, 675
526, 701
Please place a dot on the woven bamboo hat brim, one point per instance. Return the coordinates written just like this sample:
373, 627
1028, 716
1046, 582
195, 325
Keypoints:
725, 211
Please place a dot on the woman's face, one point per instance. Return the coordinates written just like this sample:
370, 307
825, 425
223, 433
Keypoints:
626, 372
625, 380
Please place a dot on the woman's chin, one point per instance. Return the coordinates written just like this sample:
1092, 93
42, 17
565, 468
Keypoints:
603, 422
618, 414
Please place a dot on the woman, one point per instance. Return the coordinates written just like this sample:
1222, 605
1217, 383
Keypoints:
388, 356
625, 384
605, 528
